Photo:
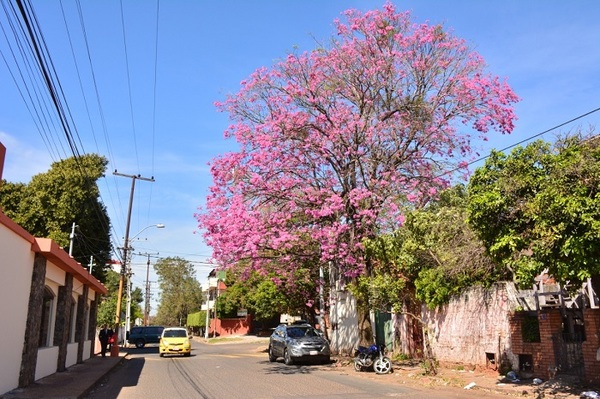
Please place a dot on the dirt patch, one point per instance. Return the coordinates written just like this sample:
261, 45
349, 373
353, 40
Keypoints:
486, 382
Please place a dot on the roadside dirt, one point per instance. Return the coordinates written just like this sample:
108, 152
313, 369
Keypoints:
482, 381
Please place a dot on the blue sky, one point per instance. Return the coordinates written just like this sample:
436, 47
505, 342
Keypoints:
147, 103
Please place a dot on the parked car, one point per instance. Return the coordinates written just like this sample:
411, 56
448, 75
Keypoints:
140, 336
298, 342
175, 340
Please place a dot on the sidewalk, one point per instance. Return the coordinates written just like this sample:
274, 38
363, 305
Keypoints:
73, 383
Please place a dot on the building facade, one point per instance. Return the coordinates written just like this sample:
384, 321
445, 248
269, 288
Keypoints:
48, 303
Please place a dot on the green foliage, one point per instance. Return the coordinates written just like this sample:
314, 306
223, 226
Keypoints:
267, 300
381, 291
433, 257
107, 308
137, 297
539, 208
400, 357
181, 293
66, 194
197, 319
259, 295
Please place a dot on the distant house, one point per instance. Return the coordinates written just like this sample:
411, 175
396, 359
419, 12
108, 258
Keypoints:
218, 326
48, 304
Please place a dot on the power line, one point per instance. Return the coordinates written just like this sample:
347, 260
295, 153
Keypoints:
539, 134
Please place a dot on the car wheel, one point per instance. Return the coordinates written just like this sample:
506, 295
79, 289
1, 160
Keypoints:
327, 360
382, 366
287, 359
140, 343
187, 354
162, 355
272, 356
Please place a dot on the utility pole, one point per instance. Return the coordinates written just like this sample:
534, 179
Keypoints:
91, 263
115, 348
147, 294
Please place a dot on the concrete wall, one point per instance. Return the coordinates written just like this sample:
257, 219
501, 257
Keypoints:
16, 266
46, 362
71, 354
471, 326
344, 323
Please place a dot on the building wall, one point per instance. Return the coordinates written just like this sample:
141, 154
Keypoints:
227, 327
472, 327
28, 267
15, 255
46, 362
344, 323
71, 354
591, 347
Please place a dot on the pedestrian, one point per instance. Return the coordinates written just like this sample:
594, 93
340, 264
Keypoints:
104, 336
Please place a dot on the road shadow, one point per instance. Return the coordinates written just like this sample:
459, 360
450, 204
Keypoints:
279, 367
126, 374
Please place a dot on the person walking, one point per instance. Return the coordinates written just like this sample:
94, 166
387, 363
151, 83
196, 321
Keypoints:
104, 336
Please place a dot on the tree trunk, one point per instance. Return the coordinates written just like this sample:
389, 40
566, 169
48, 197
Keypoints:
365, 327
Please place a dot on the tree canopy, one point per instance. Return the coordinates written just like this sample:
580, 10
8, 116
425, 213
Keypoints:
433, 257
336, 142
181, 293
538, 209
266, 296
68, 193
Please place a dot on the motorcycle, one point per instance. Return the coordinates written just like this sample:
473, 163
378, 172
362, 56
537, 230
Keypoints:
372, 357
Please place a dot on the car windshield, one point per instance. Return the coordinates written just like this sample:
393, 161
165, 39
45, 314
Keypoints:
175, 333
297, 332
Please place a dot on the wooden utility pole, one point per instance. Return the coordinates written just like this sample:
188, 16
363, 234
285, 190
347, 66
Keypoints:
115, 348
147, 294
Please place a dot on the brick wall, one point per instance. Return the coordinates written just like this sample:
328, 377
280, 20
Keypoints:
472, 327
591, 346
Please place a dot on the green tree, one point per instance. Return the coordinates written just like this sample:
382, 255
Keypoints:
433, 257
181, 293
266, 296
137, 297
68, 193
538, 209
107, 308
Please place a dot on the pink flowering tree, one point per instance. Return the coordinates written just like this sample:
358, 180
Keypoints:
335, 143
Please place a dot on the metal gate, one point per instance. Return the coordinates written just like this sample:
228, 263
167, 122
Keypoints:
384, 329
569, 354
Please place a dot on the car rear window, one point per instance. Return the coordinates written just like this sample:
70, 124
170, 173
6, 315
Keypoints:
175, 334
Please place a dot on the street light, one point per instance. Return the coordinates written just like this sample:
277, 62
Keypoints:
122, 282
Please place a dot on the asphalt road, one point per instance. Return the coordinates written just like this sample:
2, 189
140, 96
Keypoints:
242, 370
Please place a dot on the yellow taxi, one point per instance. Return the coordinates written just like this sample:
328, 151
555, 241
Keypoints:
175, 341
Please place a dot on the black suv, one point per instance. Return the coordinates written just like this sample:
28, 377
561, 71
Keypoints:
140, 336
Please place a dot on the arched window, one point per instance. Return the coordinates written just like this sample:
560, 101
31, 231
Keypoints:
45, 321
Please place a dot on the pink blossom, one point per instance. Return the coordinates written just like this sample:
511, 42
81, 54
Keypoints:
335, 143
